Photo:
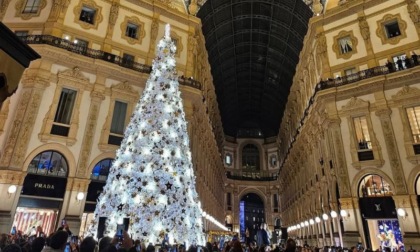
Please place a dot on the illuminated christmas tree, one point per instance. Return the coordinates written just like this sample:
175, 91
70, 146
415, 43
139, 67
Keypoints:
152, 181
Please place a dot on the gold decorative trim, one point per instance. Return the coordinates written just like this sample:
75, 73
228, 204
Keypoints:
346, 50
179, 45
119, 92
141, 33
380, 31
20, 6
357, 107
90, 4
75, 80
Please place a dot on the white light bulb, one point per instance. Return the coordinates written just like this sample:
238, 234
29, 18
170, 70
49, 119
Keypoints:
80, 196
401, 212
334, 214
12, 189
344, 213
317, 219
325, 216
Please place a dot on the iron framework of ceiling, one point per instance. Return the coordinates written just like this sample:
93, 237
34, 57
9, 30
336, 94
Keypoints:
253, 49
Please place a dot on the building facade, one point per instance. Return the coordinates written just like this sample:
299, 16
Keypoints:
349, 136
64, 123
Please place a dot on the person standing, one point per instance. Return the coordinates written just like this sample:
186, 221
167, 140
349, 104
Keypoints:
265, 235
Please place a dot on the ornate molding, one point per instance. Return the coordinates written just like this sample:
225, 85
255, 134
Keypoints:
20, 7
345, 45
382, 34
364, 28
392, 148
89, 134
414, 11
4, 112
74, 77
97, 18
179, 45
3, 7
355, 104
140, 31
12, 177
406, 96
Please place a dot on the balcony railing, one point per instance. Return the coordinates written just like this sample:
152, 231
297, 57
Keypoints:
251, 176
348, 79
101, 55
364, 74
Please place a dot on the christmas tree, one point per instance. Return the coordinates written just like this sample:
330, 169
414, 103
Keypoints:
152, 181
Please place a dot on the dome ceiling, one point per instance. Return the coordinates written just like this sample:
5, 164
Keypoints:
253, 49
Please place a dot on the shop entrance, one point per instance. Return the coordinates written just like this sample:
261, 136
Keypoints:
380, 220
42, 194
251, 215
98, 179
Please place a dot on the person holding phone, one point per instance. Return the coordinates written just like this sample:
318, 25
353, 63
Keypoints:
58, 242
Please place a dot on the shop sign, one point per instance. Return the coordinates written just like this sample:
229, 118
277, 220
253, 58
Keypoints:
94, 190
377, 207
45, 186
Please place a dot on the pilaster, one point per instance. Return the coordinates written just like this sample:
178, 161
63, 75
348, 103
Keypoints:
96, 99
55, 21
113, 15
24, 120
334, 130
392, 148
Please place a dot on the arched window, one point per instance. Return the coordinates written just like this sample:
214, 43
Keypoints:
250, 157
374, 186
418, 185
49, 163
100, 171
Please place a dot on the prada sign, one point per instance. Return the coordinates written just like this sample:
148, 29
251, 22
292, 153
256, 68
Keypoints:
45, 186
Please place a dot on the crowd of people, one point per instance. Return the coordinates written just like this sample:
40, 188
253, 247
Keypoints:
63, 241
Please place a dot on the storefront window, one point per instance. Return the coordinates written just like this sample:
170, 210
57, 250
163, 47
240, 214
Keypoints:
49, 163
35, 221
374, 186
101, 170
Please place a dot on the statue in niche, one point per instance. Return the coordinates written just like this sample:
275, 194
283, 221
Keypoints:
364, 28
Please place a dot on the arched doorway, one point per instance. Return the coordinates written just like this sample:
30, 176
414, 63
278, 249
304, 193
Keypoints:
42, 193
377, 207
98, 179
251, 215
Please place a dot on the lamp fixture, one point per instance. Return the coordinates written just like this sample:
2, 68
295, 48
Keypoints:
11, 190
306, 223
311, 221
298, 225
80, 196
344, 214
334, 214
317, 219
402, 213
325, 216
